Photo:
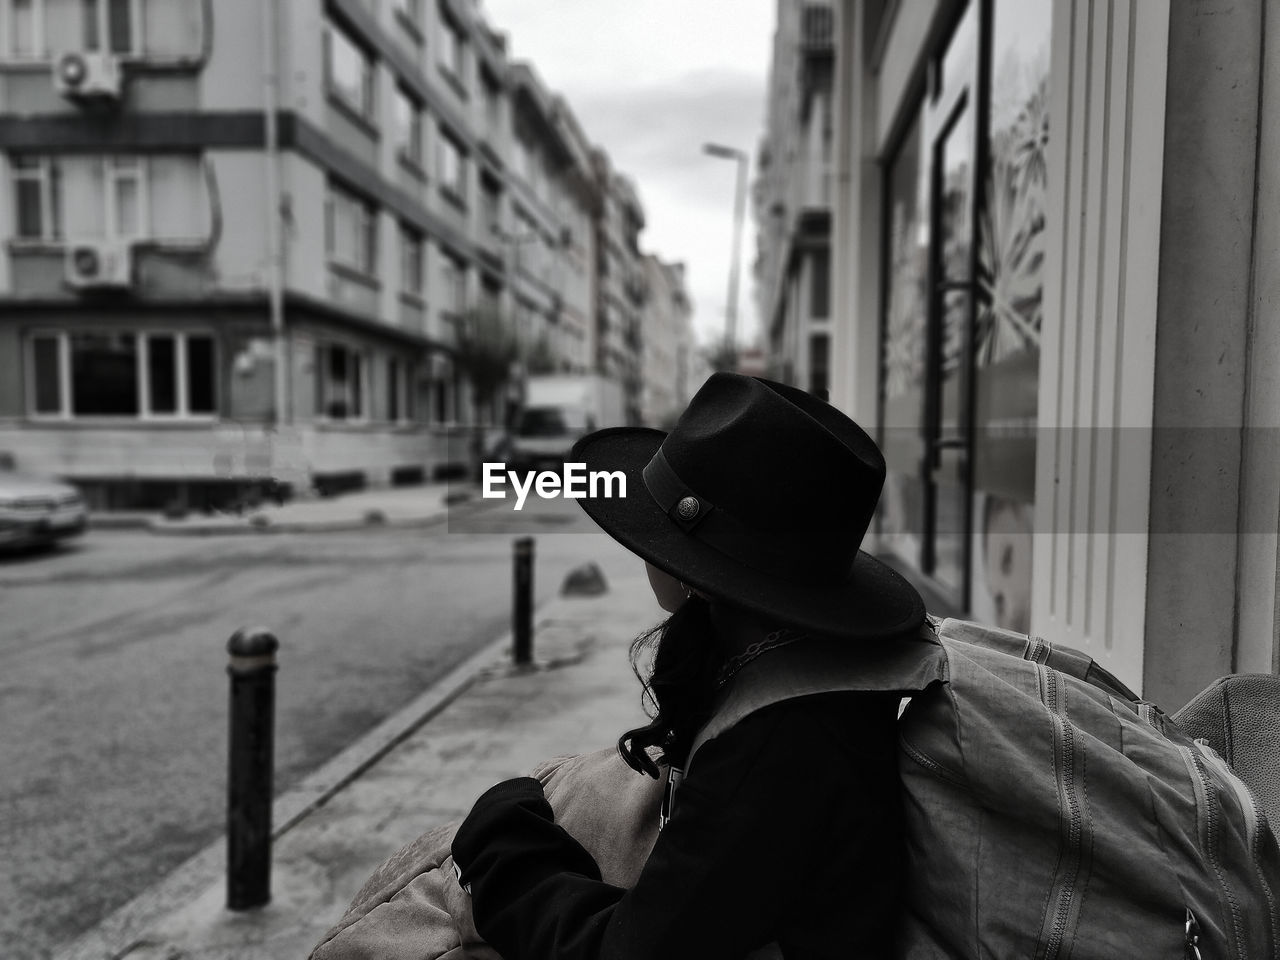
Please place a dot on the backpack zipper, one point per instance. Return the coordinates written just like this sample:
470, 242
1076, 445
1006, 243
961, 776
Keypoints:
1253, 828
1050, 694
1207, 802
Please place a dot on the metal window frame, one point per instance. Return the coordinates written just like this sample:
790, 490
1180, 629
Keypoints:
115, 169
47, 181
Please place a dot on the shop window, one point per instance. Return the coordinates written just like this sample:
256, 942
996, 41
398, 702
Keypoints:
351, 225
408, 127
349, 70
340, 380
123, 374
902, 354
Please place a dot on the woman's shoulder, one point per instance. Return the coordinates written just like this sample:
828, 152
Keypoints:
819, 724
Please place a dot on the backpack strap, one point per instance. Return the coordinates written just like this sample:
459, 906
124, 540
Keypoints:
1066, 660
903, 666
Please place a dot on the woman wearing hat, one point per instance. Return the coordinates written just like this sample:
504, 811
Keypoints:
749, 516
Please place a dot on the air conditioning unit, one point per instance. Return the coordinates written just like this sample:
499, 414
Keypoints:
99, 264
86, 76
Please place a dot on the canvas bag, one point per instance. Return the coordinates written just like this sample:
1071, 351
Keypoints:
1050, 813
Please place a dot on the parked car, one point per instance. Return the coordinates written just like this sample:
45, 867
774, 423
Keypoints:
36, 510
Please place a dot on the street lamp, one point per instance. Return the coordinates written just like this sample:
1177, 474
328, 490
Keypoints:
739, 208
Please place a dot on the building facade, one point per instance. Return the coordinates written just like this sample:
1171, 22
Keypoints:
621, 286
239, 246
792, 198
1055, 268
670, 359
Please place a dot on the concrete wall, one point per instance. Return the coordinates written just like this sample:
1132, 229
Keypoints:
1207, 303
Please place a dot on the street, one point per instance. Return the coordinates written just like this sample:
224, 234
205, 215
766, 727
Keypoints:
114, 691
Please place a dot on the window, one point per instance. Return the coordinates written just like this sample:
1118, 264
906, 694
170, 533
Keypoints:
453, 166
399, 397
24, 29
340, 382
351, 225
521, 160
451, 47
37, 198
490, 297
123, 374
349, 70
491, 90
125, 197
820, 292
408, 126
454, 286
410, 12
83, 197
411, 273
819, 365
490, 208
110, 26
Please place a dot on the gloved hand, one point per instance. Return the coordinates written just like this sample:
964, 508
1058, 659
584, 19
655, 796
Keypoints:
512, 826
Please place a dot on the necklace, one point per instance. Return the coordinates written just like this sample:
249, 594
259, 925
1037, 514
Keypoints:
779, 638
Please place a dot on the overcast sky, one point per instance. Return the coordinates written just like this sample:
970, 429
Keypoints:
650, 81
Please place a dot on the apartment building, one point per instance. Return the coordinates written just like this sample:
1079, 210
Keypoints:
240, 238
621, 288
671, 360
792, 199
1056, 257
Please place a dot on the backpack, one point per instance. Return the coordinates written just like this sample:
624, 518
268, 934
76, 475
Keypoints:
1050, 813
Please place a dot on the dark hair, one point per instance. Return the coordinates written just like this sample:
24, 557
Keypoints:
687, 655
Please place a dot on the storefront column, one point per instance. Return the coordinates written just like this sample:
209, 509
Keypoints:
1108, 68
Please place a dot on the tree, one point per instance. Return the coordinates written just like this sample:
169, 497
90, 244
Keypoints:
541, 359
485, 349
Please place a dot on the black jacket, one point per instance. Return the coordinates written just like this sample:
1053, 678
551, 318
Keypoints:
787, 829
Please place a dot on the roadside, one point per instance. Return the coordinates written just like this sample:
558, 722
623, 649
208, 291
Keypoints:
483, 722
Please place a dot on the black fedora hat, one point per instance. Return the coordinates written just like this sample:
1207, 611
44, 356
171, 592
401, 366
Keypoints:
759, 496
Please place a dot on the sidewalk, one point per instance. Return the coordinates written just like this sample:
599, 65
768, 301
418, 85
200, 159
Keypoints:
410, 506
485, 722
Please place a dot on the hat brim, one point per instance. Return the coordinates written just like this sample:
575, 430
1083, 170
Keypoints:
874, 602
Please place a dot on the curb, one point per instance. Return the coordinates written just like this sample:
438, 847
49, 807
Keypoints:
247, 528
127, 927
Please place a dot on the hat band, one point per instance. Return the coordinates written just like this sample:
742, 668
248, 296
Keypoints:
788, 558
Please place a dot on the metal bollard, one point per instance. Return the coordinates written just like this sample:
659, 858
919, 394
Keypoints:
522, 605
252, 668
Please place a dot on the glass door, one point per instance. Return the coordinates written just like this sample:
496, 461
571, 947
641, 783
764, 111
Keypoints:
951, 127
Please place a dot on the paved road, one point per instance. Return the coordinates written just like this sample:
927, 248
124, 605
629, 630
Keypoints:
113, 688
